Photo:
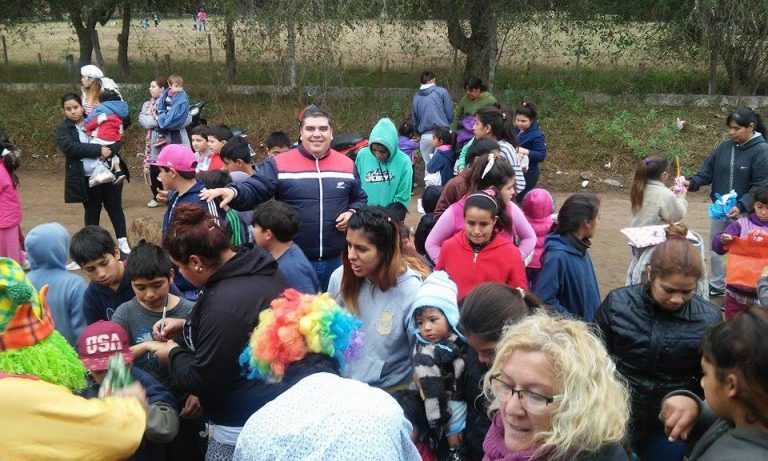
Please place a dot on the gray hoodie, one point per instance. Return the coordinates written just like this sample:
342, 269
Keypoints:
387, 346
47, 246
431, 107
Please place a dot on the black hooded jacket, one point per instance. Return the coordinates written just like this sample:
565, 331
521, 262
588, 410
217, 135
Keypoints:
218, 330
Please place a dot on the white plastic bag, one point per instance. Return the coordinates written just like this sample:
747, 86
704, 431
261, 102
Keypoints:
101, 175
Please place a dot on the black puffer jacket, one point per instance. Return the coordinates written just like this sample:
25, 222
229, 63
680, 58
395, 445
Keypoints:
655, 349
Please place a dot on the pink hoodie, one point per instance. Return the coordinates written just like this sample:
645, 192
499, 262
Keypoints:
538, 207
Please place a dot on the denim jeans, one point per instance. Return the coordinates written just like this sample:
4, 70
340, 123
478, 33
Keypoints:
324, 269
656, 447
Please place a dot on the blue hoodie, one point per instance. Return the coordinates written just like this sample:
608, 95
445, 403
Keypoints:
47, 246
533, 140
567, 280
119, 108
431, 107
172, 117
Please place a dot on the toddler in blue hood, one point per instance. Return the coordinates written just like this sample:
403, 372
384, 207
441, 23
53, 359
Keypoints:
438, 358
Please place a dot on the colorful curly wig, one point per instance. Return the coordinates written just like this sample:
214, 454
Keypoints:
297, 324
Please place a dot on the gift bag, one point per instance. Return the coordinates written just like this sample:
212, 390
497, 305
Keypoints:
747, 256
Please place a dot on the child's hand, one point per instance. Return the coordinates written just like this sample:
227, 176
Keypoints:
148, 346
726, 238
523, 151
765, 272
164, 352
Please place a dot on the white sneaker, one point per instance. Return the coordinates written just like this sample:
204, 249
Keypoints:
420, 207
153, 203
73, 266
122, 244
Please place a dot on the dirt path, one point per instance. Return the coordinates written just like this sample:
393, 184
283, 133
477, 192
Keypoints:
42, 197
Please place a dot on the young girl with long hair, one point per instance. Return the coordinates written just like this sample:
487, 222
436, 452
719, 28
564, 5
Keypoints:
567, 280
496, 122
10, 204
377, 284
480, 253
444, 156
532, 143
497, 177
653, 203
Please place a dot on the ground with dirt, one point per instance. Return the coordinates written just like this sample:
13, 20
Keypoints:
42, 197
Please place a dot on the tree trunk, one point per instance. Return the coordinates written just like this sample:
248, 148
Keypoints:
84, 37
481, 44
291, 25
97, 48
122, 42
712, 74
229, 49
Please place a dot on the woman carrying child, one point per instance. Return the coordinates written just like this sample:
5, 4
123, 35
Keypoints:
653, 331
148, 121
377, 284
481, 253
732, 423
496, 177
739, 297
81, 158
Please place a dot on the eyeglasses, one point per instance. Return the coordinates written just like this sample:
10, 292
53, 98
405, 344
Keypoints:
531, 402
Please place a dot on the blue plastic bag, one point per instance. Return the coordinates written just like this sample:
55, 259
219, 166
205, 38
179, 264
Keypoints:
722, 205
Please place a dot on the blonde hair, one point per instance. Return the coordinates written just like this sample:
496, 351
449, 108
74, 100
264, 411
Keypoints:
594, 409
175, 79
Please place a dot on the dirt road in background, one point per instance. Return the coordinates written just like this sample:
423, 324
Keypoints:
42, 198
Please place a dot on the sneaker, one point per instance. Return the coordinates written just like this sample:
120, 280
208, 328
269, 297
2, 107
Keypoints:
713, 292
119, 178
122, 244
420, 207
153, 203
73, 266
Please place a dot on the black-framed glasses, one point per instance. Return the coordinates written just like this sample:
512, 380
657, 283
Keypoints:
532, 402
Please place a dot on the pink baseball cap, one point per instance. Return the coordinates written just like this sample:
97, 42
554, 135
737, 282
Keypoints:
100, 341
176, 156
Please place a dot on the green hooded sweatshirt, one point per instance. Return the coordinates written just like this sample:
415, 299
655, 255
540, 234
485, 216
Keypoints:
388, 181
469, 107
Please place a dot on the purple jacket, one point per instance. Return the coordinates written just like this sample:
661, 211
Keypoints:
739, 228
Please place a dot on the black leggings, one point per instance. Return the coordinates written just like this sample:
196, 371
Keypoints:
154, 183
112, 198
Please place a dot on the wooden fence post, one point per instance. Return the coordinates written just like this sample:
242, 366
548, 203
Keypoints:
168, 64
5, 50
71, 66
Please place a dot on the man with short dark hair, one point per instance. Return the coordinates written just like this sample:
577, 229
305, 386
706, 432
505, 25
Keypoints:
431, 107
320, 183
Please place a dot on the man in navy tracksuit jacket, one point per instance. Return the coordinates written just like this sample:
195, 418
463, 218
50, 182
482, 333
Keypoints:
320, 183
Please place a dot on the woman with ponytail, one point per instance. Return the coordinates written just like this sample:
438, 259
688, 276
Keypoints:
237, 286
740, 164
653, 203
653, 331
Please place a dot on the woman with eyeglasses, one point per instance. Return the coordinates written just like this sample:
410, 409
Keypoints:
556, 393
653, 330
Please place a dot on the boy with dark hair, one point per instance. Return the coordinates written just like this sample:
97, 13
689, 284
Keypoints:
236, 155
151, 274
218, 136
177, 173
199, 139
275, 224
276, 142
238, 230
94, 250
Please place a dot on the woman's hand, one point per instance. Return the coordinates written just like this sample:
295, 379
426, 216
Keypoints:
106, 151
164, 352
226, 194
173, 327
726, 238
679, 414
191, 408
734, 212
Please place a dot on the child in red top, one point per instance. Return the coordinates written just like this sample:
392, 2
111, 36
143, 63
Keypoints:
481, 254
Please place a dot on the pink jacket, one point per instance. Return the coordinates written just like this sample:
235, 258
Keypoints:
538, 207
452, 221
10, 205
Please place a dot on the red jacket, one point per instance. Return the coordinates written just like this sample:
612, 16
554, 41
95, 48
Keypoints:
500, 261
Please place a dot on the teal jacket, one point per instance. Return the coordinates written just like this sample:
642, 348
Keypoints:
388, 181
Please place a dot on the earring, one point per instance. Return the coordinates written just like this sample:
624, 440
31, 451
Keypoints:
199, 269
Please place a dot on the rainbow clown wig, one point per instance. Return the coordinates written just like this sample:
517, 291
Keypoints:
295, 325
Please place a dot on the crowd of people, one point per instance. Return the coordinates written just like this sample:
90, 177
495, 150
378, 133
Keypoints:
288, 311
